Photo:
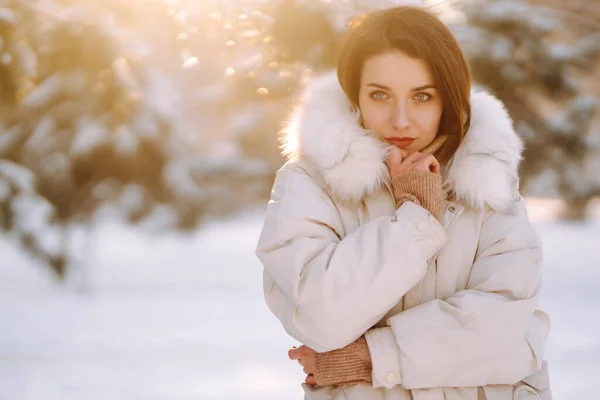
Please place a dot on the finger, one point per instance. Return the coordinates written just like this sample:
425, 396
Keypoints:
311, 380
428, 163
431, 161
395, 157
309, 368
303, 352
394, 160
435, 166
423, 163
294, 353
414, 157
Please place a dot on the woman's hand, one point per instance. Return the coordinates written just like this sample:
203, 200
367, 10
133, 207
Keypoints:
306, 358
399, 162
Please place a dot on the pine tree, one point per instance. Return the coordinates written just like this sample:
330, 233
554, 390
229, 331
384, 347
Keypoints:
86, 123
95, 126
538, 61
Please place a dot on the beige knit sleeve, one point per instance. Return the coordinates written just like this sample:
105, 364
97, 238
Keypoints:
347, 366
421, 187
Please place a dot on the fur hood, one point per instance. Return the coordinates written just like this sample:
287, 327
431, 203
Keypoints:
325, 133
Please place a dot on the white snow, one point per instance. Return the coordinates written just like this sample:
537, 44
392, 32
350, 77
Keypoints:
90, 135
123, 74
19, 176
28, 60
125, 141
172, 317
44, 93
501, 49
7, 15
6, 59
31, 213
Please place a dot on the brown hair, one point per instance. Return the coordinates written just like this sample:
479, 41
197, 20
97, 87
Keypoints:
419, 34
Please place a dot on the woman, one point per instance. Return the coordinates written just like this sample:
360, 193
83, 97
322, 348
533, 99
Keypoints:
396, 246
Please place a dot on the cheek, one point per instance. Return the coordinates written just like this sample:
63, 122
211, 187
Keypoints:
374, 116
428, 120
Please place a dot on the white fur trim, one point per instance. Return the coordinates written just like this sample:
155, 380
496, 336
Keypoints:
324, 131
484, 169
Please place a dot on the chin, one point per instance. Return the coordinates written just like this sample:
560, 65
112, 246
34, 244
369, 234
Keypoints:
414, 147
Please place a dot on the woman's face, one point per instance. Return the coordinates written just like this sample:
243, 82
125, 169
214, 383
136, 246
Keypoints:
398, 100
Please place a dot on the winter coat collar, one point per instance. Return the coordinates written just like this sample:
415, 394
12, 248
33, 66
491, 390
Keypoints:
324, 132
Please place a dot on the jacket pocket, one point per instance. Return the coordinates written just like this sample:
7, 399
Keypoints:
534, 387
520, 391
523, 391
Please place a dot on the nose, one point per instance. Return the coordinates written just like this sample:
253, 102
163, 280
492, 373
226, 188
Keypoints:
401, 117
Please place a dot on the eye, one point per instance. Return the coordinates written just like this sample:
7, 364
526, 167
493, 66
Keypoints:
379, 95
422, 97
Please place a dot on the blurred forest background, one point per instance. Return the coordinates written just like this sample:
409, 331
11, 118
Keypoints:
165, 114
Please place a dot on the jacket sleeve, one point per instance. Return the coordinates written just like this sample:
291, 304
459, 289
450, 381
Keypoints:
489, 333
327, 288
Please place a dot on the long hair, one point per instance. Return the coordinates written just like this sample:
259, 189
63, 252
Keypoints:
419, 34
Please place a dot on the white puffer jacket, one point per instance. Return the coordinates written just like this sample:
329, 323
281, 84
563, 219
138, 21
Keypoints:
449, 309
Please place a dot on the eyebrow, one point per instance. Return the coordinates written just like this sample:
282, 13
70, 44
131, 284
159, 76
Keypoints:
415, 89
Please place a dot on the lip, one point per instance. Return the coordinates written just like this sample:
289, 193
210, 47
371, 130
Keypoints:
401, 142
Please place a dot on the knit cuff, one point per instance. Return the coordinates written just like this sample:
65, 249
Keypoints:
421, 187
347, 366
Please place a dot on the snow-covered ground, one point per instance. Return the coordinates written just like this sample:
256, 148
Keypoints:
182, 317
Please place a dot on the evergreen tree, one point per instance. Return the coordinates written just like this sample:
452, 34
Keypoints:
93, 126
538, 60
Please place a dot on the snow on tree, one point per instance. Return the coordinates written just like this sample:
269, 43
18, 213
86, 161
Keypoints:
26, 214
539, 62
166, 112
96, 126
